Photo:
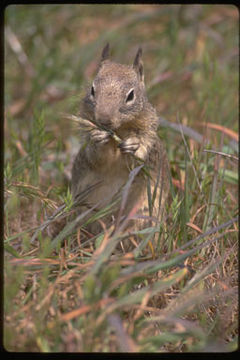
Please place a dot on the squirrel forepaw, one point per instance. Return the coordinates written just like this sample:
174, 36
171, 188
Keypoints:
133, 146
129, 145
99, 136
141, 153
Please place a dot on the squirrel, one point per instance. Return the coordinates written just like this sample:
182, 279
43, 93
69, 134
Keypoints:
117, 103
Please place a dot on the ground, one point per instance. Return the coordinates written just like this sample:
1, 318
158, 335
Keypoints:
178, 295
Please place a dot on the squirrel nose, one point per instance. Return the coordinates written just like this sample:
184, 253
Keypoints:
103, 118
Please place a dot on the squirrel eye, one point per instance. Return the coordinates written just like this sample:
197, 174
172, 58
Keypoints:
130, 95
92, 91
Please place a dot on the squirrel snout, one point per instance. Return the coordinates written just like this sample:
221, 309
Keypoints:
104, 118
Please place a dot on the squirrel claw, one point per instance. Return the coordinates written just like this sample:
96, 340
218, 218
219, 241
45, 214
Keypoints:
130, 145
99, 136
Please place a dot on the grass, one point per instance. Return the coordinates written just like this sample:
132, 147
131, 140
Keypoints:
178, 295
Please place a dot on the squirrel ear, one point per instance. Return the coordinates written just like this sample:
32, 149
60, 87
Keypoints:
105, 53
138, 65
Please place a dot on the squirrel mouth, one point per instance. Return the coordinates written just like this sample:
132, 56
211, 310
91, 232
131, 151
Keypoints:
109, 126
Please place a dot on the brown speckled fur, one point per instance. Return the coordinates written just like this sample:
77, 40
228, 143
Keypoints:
135, 122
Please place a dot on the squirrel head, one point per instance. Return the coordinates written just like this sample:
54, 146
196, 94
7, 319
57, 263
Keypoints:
117, 94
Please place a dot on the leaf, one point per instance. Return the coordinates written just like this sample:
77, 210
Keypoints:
137, 296
69, 228
229, 176
223, 129
11, 250
193, 226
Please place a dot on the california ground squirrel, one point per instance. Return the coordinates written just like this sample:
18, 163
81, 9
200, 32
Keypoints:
117, 104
